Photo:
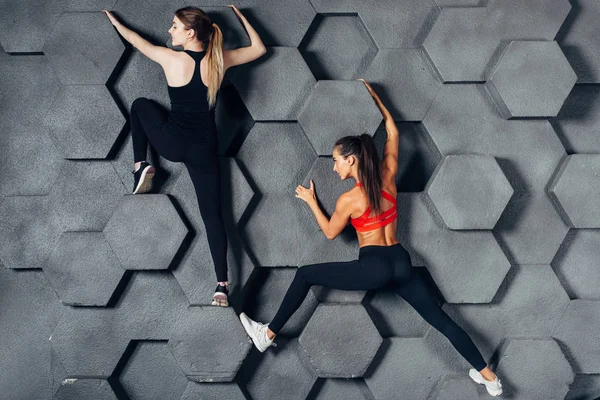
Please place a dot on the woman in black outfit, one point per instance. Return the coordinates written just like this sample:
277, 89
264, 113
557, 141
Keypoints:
188, 133
371, 208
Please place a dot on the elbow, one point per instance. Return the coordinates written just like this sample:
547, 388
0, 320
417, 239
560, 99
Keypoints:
330, 236
261, 50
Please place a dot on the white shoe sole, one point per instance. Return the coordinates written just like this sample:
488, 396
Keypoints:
145, 183
248, 328
477, 378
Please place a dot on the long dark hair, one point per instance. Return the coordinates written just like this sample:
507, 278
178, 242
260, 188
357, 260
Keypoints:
363, 148
212, 39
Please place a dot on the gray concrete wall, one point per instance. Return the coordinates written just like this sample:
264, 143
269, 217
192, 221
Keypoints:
104, 295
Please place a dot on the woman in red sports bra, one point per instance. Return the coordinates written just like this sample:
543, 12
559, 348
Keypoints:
371, 208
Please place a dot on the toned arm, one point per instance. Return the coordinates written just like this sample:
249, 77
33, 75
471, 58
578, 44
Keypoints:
244, 54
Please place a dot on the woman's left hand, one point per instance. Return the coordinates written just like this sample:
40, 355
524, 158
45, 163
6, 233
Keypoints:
111, 17
306, 194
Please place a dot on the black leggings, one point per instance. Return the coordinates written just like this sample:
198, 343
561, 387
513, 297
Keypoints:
149, 122
375, 268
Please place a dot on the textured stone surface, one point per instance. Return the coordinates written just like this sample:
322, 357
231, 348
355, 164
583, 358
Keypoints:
30, 310
336, 109
333, 349
582, 354
575, 190
84, 121
275, 86
584, 387
209, 344
469, 191
151, 372
264, 379
267, 286
576, 264
75, 389
333, 389
83, 48
530, 229
456, 387
521, 365
281, 171
455, 259
579, 41
532, 79
25, 26
408, 91
212, 391
579, 120
83, 269
145, 232
152, 19
338, 47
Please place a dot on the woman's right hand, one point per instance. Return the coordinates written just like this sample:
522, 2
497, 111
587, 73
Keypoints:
369, 88
235, 10
111, 17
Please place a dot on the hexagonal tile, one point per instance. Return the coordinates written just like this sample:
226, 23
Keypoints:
276, 85
83, 48
532, 79
234, 34
584, 387
393, 316
24, 27
152, 372
333, 389
532, 303
209, 343
337, 109
85, 195
83, 269
268, 287
455, 259
27, 231
327, 340
233, 120
581, 345
417, 155
23, 79
407, 92
530, 20
521, 364
73, 389
30, 145
469, 191
398, 23
262, 375
576, 264
338, 47
88, 5
212, 391
144, 242
459, 3
89, 342
528, 152
461, 43
151, 19
579, 120
575, 190
30, 310
84, 121
412, 367
579, 41
278, 171
456, 387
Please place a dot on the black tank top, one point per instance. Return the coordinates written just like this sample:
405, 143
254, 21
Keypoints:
190, 112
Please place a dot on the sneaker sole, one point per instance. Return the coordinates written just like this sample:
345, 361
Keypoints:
492, 392
145, 183
246, 325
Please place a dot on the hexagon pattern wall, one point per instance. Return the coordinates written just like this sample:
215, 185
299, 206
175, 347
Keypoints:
104, 295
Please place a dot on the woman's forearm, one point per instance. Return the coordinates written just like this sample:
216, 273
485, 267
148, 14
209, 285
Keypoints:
129, 35
322, 219
255, 40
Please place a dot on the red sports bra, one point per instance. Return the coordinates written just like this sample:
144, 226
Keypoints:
365, 224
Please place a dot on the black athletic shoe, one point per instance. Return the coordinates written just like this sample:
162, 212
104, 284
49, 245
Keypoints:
142, 178
220, 296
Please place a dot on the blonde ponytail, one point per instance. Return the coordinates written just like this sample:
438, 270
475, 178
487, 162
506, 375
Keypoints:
214, 58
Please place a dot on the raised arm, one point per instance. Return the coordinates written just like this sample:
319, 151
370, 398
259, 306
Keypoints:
244, 54
389, 163
158, 54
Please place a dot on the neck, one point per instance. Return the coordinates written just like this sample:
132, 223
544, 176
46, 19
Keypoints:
193, 46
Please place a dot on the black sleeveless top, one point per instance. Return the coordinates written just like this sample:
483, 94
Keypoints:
190, 112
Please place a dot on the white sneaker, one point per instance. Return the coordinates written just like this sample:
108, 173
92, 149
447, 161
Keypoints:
493, 387
257, 332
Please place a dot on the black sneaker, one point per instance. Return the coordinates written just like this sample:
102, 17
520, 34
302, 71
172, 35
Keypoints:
220, 296
142, 178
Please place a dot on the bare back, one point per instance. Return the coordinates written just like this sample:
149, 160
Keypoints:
179, 69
